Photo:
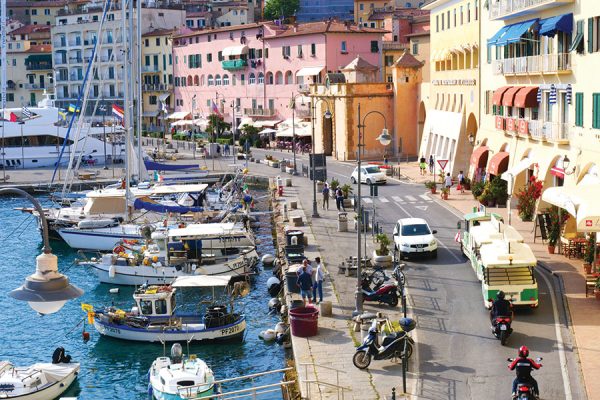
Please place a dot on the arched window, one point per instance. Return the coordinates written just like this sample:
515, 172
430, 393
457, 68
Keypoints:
278, 78
225, 80
210, 80
252, 79
261, 78
408, 5
201, 80
270, 79
190, 80
196, 80
217, 80
289, 78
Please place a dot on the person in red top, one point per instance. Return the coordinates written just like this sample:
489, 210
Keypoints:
523, 366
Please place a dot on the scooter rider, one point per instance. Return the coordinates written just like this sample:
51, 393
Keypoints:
523, 365
500, 307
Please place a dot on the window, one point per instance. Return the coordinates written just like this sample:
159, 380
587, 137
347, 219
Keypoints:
374, 46
147, 60
251, 54
271, 104
152, 100
596, 111
299, 51
461, 15
225, 80
161, 306
454, 16
344, 48
155, 59
157, 41
146, 43
468, 12
390, 78
218, 80
242, 79
448, 18
415, 48
313, 50
285, 51
210, 80
46, 11
252, 79
11, 96
209, 57
146, 307
389, 61
170, 59
361, 7
443, 20
261, 78
578, 109
220, 56
437, 23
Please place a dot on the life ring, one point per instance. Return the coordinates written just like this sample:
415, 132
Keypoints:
119, 249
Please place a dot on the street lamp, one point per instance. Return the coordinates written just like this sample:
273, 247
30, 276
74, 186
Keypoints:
385, 139
103, 109
315, 213
233, 129
47, 290
471, 138
294, 126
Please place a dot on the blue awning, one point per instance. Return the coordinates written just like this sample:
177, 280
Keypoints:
494, 39
515, 32
559, 23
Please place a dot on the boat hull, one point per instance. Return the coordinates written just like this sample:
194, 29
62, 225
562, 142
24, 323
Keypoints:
50, 392
158, 395
188, 332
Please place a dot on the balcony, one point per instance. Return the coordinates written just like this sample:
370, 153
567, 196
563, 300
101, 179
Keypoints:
59, 43
505, 9
534, 65
304, 88
75, 60
150, 68
60, 61
75, 78
158, 87
393, 46
554, 132
34, 86
38, 66
259, 112
232, 65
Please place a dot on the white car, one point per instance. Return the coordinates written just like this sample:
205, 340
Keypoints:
370, 174
412, 236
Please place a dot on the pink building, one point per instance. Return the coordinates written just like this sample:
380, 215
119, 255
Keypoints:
259, 67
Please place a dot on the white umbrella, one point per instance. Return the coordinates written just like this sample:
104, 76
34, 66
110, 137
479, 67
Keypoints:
267, 131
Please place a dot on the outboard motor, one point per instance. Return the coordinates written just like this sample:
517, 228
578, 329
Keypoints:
59, 356
176, 353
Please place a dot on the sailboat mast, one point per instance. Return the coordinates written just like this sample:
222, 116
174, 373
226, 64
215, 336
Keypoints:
138, 38
126, 100
3, 78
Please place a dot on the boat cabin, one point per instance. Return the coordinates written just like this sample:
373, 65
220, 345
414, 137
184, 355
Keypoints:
155, 301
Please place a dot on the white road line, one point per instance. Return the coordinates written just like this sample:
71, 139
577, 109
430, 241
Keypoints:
559, 341
397, 199
425, 197
383, 199
410, 198
367, 200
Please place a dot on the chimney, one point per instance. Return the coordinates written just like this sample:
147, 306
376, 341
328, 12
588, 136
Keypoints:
295, 27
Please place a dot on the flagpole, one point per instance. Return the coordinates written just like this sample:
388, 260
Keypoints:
3, 78
22, 145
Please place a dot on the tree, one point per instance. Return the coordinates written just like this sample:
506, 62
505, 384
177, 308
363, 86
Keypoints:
281, 8
216, 125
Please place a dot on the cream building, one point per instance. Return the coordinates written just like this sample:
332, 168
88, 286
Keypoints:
541, 96
449, 111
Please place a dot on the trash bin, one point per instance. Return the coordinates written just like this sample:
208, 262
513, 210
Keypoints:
296, 304
294, 238
291, 278
342, 222
304, 321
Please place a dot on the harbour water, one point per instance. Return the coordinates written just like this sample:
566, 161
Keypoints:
110, 368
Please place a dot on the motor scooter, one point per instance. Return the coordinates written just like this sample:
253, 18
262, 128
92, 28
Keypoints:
394, 345
525, 390
387, 293
501, 327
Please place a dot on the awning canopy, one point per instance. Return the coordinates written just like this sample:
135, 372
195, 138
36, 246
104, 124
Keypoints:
526, 97
499, 163
202, 281
246, 121
591, 177
174, 189
477, 154
302, 129
267, 131
234, 51
150, 114
513, 35
559, 23
582, 204
182, 122
162, 97
494, 39
516, 169
310, 71
179, 115
499, 94
270, 122
509, 96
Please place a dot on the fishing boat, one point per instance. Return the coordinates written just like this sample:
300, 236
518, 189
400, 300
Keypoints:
154, 317
40, 381
169, 377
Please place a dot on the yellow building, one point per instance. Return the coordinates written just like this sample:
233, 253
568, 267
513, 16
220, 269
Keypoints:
450, 105
157, 77
540, 111
40, 12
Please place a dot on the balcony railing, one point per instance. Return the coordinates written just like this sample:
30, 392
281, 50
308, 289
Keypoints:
393, 46
232, 65
75, 60
38, 66
59, 43
159, 87
500, 9
34, 86
549, 131
60, 62
150, 68
540, 64
259, 112
304, 88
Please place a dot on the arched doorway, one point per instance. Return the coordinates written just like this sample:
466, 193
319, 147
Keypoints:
421, 126
327, 124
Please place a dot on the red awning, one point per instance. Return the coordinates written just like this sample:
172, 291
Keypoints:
509, 96
498, 94
558, 172
498, 164
526, 97
477, 155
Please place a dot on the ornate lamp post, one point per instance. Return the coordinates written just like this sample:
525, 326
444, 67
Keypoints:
327, 115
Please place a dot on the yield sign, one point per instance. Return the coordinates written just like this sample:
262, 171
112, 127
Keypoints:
442, 164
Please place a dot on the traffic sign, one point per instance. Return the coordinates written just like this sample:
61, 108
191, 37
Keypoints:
442, 164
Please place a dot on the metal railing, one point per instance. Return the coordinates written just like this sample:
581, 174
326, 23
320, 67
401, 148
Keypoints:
157, 87
549, 131
393, 46
34, 86
304, 88
150, 68
503, 8
309, 382
38, 66
259, 112
538, 64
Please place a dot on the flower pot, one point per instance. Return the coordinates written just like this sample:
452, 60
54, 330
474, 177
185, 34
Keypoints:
587, 268
444, 196
381, 261
551, 249
433, 191
597, 294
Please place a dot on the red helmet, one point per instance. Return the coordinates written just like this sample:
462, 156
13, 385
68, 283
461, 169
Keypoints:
523, 351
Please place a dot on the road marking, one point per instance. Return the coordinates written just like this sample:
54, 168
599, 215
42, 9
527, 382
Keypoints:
383, 200
397, 199
410, 198
367, 200
423, 208
425, 197
559, 341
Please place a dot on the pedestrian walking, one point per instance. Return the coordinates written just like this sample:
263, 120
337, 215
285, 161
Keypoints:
226, 151
318, 281
461, 182
154, 154
325, 196
339, 200
422, 165
431, 164
448, 181
385, 160
304, 282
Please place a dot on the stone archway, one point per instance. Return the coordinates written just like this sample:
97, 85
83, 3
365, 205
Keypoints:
327, 124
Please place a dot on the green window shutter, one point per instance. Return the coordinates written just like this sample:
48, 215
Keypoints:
578, 109
590, 38
489, 54
595, 104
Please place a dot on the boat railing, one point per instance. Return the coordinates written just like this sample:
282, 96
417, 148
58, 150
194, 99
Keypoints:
309, 382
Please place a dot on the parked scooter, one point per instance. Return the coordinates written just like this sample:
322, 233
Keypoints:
394, 345
388, 293
525, 390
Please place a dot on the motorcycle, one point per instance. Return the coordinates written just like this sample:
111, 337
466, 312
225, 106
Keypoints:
501, 328
386, 293
525, 390
394, 345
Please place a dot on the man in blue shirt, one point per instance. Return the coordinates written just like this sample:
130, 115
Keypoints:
305, 283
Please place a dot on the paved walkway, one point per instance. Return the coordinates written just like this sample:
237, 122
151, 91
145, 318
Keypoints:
584, 312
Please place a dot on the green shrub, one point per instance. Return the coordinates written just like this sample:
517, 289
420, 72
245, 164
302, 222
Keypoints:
223, 141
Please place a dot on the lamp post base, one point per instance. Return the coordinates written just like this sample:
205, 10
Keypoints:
359, 306
315, 213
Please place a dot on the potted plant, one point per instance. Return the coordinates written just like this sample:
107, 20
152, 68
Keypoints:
467, 183
381, 256
444, 192
346, 191
527, 197
334, 185
431, 185
597, 289
588, 257
554, 227
486, 197
477, 189
499, 191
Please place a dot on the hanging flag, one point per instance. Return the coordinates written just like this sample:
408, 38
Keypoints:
569, 94
163, 107
26, 112
73, 108
13, 117
216, 110
539, 96
119, 113
552, 94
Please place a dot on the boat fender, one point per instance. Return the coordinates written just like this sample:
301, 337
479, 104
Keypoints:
280, 327
268, 335
267, 259
119, 249
112, 271
114, 290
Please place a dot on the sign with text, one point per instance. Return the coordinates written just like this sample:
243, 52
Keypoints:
511, 124
320, 163
499, 123
442, 164
523, 127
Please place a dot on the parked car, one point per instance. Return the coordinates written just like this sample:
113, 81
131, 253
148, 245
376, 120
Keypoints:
412, 236
370, 174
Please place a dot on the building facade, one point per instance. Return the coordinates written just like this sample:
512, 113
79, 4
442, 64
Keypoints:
540, 111
40, 12
450, 105
320, 10
259, 67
